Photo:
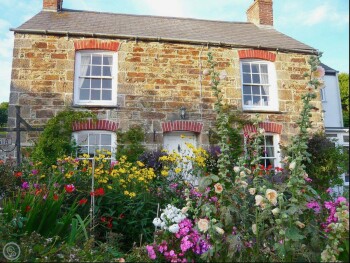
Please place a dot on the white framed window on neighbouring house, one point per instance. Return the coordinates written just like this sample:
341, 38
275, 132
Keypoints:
259, 85
270, 152
323, 94
91, 142
95, 81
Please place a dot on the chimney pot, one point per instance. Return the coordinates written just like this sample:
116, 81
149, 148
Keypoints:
260, 13
52, 5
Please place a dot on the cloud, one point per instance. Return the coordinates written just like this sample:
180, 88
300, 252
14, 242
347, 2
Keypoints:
326, 14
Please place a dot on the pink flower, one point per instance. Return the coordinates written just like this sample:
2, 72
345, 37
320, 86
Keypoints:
151, 253
329, 191
314, 205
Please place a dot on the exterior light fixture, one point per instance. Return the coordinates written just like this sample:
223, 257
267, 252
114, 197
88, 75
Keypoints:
183, 113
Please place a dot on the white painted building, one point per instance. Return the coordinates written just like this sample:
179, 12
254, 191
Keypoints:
333, 115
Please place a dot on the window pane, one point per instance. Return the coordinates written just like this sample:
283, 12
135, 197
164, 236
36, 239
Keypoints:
84, 94
269, 140
106, 94
96, 83
247, 90
92, 149
96, 71
246, 67
265, 100
264, 90
106, 139
255, 68
263, 68
84, 83
256, 78
264, 78
247, 78
107, 60
95, 94
83, 149
107, 71
106, 84
85, 70
256, 100
256, 90
85, 59
93, 139
346, 138
247, 100
97, 59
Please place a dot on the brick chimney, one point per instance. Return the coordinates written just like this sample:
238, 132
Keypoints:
52, 5
260, 13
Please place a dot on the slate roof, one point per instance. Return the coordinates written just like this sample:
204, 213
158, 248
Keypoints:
329, 70
240, 34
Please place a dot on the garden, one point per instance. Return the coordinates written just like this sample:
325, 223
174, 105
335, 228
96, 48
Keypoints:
139, 207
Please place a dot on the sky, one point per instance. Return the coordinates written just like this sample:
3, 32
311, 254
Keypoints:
321, 24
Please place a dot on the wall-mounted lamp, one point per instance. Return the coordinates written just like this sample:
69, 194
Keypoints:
183, 113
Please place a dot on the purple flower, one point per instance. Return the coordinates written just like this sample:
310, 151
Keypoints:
35, 172
314, 205
151, 253
25, 185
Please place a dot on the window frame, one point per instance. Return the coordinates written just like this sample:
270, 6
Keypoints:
272, 85
77, 76
76, 135
276, 152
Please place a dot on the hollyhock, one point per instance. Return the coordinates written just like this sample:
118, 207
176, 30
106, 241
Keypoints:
314, 205
69, 188
151, 253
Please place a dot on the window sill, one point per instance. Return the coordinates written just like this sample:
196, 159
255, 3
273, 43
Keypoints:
262, 111
96, 106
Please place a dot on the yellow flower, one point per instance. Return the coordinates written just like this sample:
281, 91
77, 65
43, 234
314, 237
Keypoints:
126, 192
164, 173
178, 170
182, 136
109, 187
42, 176
219, 230
140, 164
271, 195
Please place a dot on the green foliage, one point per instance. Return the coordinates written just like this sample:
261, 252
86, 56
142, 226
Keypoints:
344, 95
56, 139
328, 162
130, 143
3, 113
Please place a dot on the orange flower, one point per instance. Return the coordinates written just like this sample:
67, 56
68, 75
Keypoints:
18, 174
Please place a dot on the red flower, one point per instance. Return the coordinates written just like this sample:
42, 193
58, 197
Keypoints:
18, 174
98, 192
103, 219
121, 216
110, 225
55, 197
83, 201
28, 208
69, 188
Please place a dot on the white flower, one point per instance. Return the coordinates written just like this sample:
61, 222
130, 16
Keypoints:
299, 224
244, 184
236, 169
162, 225
203, 225
254, 229
157, 222
218, 188
219, 230
174, 228
292, 165
242, 174
259, 200
261, 130
275, 211
252, 191
271, 195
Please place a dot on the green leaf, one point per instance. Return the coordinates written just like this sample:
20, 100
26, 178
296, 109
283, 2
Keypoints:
293, 234
214, 177
204, 182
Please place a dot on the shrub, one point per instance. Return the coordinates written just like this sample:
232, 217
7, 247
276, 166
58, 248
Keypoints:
327, 162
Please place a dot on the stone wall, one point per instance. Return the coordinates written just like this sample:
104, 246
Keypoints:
155, 79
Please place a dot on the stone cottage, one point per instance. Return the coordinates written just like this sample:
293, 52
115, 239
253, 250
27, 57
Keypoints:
148, 70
